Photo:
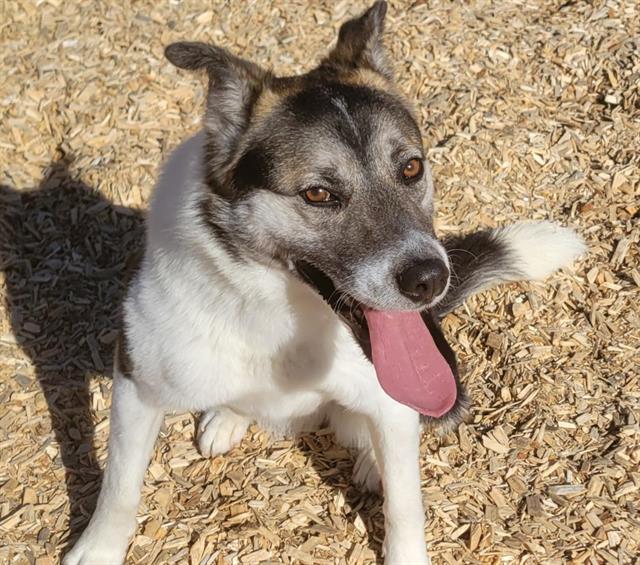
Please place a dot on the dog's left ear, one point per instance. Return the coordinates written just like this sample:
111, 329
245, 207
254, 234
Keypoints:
234, 86
360, 43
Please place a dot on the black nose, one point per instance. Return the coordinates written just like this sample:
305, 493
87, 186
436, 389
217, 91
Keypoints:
423, 280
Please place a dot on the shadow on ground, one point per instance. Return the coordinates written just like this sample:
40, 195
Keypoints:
336, 471
65, 252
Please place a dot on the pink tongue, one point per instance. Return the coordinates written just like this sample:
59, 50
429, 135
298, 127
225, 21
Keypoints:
409, 366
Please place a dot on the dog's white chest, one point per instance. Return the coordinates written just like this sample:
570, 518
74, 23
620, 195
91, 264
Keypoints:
267, 356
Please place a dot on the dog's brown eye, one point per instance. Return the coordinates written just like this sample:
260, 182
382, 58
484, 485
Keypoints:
412, 169
318, 196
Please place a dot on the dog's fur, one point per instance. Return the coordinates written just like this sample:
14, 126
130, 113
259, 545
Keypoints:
233, 311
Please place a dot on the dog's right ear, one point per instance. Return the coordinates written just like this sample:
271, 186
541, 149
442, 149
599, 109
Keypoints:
234, 86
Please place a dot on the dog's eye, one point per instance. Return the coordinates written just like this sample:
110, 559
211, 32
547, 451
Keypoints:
412, 170
319, 195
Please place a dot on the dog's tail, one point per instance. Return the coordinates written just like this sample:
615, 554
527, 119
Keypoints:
522, 251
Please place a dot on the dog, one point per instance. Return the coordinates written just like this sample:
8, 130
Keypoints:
291, 276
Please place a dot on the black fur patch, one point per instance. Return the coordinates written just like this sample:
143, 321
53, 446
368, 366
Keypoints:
326, 102
251, 171
477, 261
124, 364
317, 100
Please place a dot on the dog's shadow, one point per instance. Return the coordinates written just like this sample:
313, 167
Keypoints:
334, 465
64, 250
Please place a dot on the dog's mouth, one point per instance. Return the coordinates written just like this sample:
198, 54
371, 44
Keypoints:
407, 349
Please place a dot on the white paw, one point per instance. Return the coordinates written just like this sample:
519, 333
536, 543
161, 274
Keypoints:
101, 545
406, 558
540, 248
219, 430
403, 559
365, 471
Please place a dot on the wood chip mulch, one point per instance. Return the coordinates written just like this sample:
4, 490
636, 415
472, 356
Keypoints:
530, 110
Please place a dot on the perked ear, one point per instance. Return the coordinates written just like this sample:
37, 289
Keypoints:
360, 43
234, 86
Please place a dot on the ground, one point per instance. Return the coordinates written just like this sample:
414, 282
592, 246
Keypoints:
530, 110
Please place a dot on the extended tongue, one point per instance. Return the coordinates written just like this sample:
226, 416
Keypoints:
409, 366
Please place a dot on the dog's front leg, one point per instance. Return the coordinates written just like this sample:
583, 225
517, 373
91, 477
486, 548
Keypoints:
134, 428
395, 431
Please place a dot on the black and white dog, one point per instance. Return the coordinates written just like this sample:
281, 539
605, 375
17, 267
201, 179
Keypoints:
292, 277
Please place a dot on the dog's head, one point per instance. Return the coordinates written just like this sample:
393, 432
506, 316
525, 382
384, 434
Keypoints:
324, 172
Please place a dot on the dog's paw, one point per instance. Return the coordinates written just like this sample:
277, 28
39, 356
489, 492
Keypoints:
366, 473
406, 561
540, 248
219, 430
403, 561
99, 554
402, 556
104, 544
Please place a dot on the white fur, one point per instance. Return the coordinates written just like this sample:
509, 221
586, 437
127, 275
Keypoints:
245, 342
540, 248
